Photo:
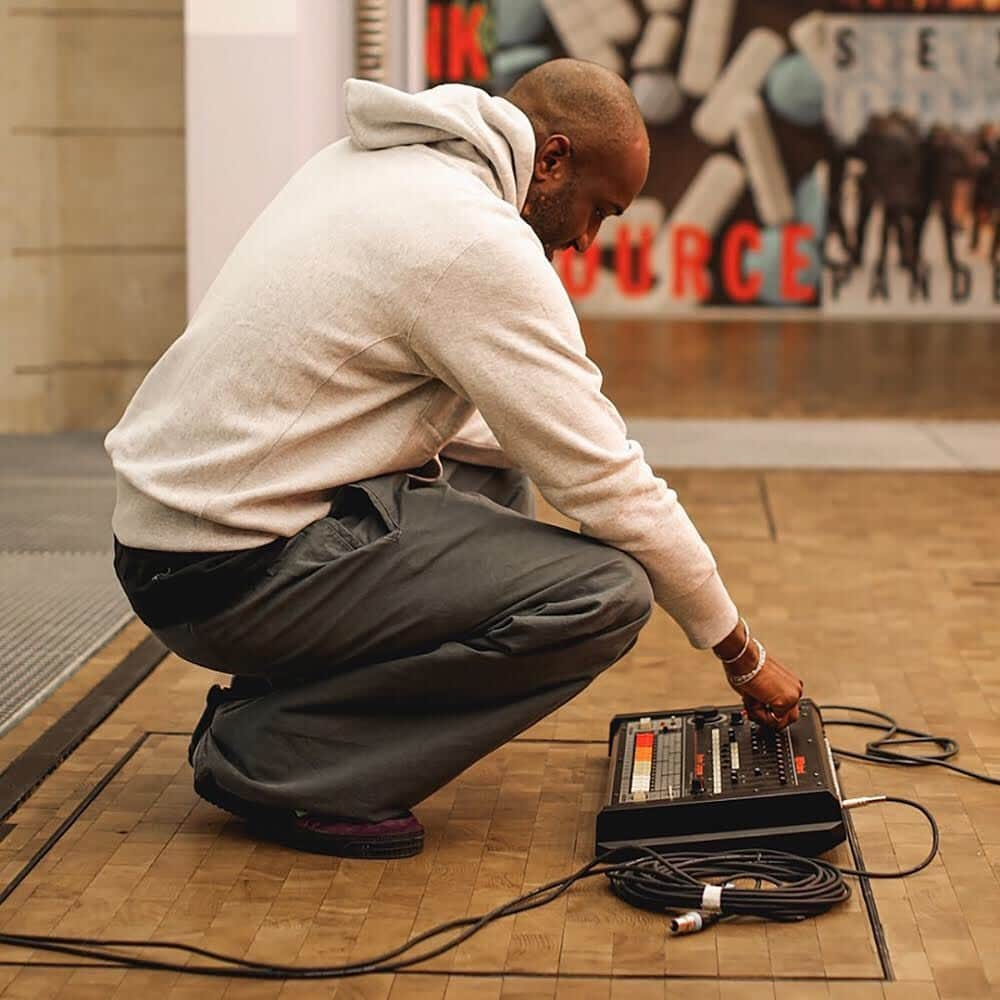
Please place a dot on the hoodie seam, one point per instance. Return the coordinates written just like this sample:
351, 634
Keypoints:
291, 423
433, 288
694, 590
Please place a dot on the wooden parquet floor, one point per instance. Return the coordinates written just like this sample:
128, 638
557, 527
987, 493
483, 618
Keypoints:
881, 590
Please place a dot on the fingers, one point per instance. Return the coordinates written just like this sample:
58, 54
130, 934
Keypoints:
772, 697
756, 711
773, 716
781, 721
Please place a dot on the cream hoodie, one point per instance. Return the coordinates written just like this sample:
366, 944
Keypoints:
389, 295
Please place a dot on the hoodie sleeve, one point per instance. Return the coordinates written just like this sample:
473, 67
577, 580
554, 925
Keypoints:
498, 328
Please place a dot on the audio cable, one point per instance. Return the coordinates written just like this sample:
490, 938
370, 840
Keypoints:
110, 954
883, 750
704, 884
786, 887
697, 888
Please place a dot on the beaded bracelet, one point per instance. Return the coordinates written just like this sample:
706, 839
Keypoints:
746, 644
742, 679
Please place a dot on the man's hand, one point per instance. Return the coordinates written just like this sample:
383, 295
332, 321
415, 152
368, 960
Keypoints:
772, 697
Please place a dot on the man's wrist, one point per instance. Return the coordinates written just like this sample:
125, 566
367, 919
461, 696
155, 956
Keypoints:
733, 644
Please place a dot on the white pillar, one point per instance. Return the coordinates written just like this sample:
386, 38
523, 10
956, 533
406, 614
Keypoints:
263, 93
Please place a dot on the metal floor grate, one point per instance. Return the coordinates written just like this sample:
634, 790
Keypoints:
56, 610
59, 598
56, 515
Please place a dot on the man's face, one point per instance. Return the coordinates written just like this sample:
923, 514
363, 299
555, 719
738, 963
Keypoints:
569, 199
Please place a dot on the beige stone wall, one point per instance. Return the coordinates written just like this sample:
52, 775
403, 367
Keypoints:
92, 272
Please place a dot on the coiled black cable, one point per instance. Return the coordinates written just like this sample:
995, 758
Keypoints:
785, 887
882, 751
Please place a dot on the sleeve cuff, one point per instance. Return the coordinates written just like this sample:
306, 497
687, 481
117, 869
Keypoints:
707, 614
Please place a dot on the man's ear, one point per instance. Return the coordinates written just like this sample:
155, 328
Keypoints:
552, 160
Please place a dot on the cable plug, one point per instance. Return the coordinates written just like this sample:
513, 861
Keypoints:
864, 800
692, 922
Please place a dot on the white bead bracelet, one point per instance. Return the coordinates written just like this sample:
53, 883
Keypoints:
746, 678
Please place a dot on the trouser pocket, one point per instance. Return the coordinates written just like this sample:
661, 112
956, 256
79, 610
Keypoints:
361, 515
368, 510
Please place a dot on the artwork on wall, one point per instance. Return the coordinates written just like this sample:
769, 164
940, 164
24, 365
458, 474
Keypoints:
832, 155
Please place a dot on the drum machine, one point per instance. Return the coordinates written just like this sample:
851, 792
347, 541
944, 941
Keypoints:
710, 778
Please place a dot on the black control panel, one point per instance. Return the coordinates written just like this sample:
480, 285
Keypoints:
711, 778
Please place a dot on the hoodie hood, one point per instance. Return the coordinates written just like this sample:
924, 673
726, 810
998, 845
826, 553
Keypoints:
381, 117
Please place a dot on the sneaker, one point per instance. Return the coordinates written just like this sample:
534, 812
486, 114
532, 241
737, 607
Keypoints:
398, 837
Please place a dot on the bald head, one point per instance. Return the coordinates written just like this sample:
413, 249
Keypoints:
591, 150
591, 105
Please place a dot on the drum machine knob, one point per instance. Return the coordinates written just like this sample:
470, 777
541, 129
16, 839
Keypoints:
708, 713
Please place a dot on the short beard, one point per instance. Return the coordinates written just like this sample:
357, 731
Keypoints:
550, 216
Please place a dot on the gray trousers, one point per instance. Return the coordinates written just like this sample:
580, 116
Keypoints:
404, 636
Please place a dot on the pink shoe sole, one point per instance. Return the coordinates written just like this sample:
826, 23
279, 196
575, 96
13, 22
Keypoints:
401, 837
